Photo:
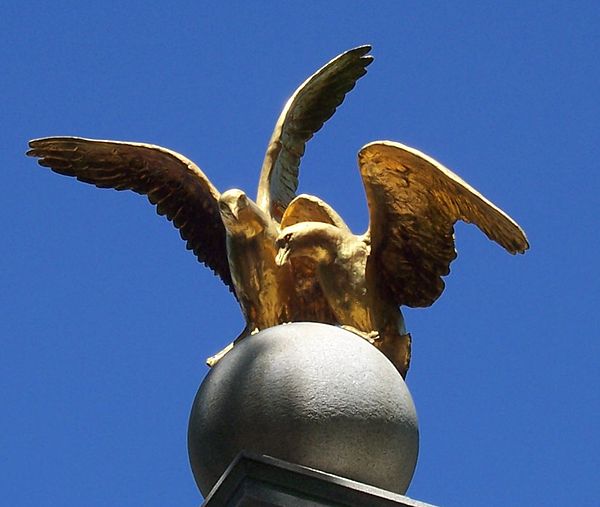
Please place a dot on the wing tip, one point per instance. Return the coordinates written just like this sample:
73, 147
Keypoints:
35, 143
516, 241
522, 247
367, 60
48, 143
361, 50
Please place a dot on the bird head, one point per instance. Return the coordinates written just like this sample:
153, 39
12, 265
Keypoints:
284, 246
240, 214
306, 239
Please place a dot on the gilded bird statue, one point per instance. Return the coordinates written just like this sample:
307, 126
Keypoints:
413, 203
230, 233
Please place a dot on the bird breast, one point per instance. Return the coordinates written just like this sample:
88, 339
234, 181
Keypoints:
345, 285
262, 287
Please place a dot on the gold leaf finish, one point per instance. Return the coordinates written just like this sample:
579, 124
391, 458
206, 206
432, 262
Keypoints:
414, 203
292, 258
230, 233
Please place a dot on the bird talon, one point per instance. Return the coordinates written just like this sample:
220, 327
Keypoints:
370, 336
373, 336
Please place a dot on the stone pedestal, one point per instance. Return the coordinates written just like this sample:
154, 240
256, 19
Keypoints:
261, 481
309, 394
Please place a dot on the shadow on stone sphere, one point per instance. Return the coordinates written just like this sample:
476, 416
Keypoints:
311, 394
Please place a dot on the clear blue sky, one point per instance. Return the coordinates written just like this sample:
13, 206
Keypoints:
106, 319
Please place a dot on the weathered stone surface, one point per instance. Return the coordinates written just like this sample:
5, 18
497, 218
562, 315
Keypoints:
310, 394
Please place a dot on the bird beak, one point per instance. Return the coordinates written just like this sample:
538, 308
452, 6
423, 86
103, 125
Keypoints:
282, 255
235, 211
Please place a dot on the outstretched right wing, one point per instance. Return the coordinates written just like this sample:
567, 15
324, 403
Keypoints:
312, 104
177, 187
414, 202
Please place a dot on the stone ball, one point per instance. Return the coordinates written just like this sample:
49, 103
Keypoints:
310, 394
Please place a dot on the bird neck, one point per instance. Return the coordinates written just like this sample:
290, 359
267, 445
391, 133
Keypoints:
252, 222
327, 242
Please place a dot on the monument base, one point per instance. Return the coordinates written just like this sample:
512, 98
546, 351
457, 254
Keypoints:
261, 481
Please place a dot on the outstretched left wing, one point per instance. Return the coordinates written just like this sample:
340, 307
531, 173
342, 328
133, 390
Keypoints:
414, 203
313, 103
178, 188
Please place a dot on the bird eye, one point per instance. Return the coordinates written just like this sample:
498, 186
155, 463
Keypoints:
288, 237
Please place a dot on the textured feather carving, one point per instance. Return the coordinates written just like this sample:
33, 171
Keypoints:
229, 233
175, 185
313, 103
414, 203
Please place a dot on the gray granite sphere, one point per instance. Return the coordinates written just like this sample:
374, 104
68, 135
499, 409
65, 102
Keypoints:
311, 394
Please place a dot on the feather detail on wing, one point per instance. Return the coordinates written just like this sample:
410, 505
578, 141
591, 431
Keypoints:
414, 203
177, 187
309, 208
313, 103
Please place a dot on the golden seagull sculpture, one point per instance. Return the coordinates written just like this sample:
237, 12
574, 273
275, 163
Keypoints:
228, 232
414, 203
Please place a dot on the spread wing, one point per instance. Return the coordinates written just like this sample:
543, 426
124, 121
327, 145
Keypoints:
313, 103
414, 203
309, 208
177, 187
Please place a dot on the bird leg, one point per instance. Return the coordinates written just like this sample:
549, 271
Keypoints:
211, 361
